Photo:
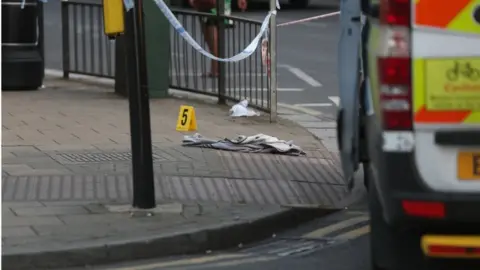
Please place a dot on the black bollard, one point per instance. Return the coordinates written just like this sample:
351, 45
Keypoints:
142, 160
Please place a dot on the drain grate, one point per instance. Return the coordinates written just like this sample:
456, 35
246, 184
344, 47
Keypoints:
98, 157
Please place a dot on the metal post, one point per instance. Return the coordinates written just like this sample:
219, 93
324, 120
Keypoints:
65, 39
121, 71
220, 5
41, 35
142, 161
273, 61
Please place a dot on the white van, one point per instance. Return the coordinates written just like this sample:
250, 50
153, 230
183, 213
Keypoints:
417, 131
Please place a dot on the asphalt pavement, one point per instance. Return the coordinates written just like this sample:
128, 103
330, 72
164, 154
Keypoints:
307, 56
350, 255
306, 52
335, 242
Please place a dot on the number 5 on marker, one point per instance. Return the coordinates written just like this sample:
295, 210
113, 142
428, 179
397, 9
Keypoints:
186, 119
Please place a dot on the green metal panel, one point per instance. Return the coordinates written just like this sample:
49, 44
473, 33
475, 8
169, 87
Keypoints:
157, 43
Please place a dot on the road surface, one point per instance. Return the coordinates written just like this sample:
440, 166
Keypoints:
335, 242
307, 58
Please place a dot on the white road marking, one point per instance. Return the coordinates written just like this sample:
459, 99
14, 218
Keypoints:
298, 250
335, 99
314, 105
291, 249
302, 76
305, 77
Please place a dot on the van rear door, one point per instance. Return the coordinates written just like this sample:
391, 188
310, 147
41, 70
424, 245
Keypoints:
349, 80
446, 93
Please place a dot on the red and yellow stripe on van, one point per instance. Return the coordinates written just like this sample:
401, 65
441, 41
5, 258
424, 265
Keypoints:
453, 15
442, 92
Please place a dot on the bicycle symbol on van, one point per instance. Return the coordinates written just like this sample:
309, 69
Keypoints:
463, 70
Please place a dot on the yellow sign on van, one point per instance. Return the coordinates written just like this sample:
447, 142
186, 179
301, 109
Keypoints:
452, 84
186, 119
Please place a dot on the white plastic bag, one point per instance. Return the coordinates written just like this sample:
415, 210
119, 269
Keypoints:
241, 109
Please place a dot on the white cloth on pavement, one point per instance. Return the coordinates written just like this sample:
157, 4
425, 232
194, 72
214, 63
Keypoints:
259, 143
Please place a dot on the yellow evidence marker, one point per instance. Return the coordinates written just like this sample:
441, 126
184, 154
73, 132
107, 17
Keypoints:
186, 119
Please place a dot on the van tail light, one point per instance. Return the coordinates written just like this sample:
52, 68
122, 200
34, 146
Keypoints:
395, 65
395, 12
424, 209
395, 93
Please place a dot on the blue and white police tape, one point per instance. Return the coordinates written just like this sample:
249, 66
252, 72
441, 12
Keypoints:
129, 4
249, 50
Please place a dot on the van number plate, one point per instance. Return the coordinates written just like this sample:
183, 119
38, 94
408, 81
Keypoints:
468, 164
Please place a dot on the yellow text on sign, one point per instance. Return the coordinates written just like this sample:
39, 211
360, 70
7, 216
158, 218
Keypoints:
453, 84
186, 119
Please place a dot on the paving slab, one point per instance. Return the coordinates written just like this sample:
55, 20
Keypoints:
71, 141
67, 181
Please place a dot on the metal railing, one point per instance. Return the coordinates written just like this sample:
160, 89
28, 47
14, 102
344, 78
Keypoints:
247, 79
86, 50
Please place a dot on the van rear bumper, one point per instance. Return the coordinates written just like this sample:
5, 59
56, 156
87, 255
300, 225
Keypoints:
399, 181
461, 213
